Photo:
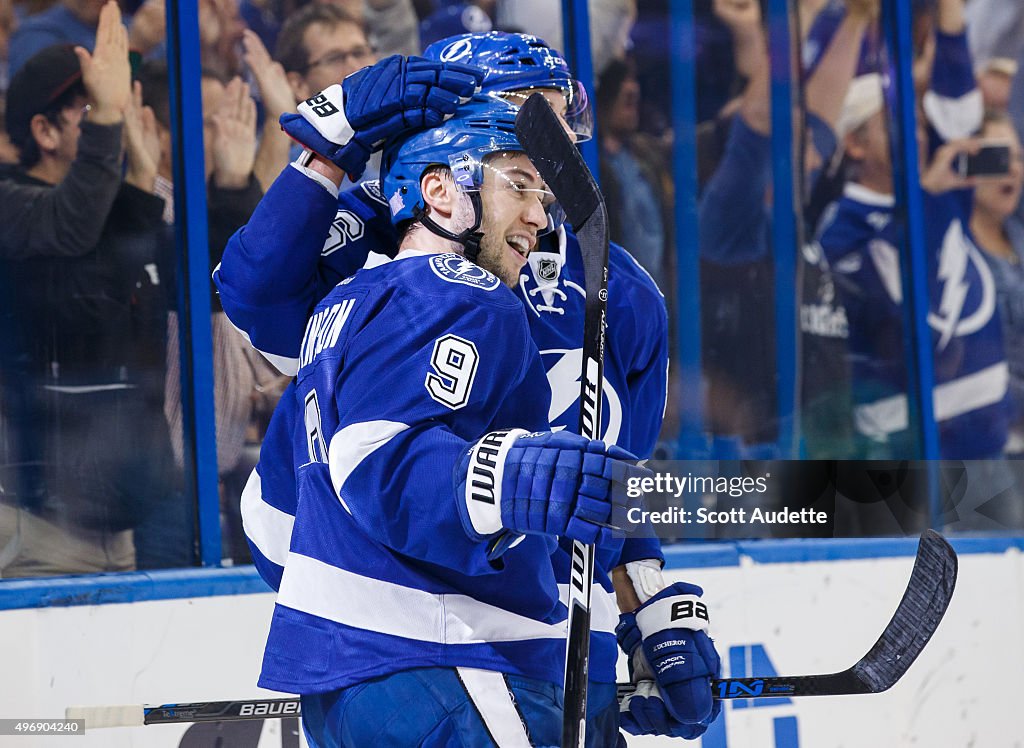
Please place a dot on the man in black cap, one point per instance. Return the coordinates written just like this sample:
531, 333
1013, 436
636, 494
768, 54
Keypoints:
59, 146
83, 314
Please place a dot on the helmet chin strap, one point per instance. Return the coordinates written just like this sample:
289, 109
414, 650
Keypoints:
469, 238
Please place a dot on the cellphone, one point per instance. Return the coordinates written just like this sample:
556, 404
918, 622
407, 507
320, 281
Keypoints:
991, 160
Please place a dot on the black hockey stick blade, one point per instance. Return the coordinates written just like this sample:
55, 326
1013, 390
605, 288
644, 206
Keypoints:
918, 615
554, 155
916, 618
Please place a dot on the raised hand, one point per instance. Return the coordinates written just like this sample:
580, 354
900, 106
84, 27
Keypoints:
142, 142
148, 27
234, 137
275, 91
106, 73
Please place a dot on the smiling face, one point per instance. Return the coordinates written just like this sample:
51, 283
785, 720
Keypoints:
514, 199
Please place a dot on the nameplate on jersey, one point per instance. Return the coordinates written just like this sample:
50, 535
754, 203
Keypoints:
457, 269
324, 329
483, 479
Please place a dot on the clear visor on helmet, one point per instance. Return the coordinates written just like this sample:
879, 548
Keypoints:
568, 100
471, 167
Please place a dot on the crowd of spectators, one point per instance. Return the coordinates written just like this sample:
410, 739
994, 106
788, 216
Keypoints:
93, 452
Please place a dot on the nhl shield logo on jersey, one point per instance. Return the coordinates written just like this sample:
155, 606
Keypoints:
457, 269
547, 269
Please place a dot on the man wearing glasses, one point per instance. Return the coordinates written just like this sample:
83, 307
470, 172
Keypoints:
320, 45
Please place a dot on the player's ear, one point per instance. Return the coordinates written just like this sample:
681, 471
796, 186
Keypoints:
439, 192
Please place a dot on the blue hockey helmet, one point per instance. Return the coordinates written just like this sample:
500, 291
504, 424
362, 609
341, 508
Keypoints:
480, 129
515, 65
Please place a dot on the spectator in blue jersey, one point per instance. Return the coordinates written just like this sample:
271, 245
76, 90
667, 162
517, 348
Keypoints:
284, 241
860, 238
735, 234
999, 231
447, 491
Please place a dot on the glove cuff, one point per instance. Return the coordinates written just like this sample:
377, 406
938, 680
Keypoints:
678, 611
326, 113
301, 164
485, 470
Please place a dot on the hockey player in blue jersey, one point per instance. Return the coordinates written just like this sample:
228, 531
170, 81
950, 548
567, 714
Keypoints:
403, 616
861, 236
279, 265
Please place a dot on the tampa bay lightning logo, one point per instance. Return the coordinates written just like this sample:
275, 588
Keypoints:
457, 269
372, 188
564, 367
457, 50
962, 310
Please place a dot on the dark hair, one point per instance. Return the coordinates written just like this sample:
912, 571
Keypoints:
610, 83
156, 92
28, 151
291, 50
156, 88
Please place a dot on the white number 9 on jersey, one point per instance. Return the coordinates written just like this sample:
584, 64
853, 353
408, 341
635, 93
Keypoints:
454, 362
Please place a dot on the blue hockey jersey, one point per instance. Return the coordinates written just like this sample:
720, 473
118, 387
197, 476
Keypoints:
860, 237
268, 289
401, 368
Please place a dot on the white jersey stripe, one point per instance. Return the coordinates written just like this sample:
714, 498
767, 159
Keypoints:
489, 693
355, 443
604, 611
284, 364
267, 527
951, 399
317, 588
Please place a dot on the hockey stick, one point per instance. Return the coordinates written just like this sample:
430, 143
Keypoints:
555, 157
916, 618
137, 715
